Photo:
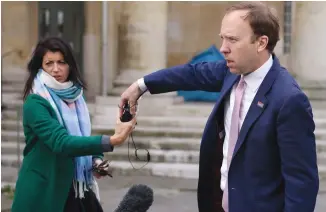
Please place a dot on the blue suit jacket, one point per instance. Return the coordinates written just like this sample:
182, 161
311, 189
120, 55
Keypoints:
274, 165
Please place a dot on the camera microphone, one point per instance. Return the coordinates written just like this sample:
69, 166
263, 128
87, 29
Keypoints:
138, 199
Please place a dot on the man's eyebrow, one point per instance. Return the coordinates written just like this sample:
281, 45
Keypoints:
228, 36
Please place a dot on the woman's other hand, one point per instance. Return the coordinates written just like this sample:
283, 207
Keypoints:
103, 165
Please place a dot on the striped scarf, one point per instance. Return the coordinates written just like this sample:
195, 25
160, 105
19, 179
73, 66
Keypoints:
68, 102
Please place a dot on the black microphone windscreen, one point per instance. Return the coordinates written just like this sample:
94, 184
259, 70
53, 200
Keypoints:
138, 199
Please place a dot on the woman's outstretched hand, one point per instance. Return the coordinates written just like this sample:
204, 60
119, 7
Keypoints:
122, 130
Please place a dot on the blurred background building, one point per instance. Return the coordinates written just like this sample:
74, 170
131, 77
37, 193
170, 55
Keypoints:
117, 42
141, 37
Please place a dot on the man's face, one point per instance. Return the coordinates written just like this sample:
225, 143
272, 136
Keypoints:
238, 47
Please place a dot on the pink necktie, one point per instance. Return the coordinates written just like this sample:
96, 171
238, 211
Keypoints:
234, 133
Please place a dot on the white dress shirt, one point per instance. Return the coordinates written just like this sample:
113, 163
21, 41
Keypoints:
253, 82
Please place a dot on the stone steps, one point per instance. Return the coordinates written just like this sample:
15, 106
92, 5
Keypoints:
320, 146
178, 122
11, 147
11, 96
157, 155
320, 134
154, 143
189, 171
319, 113
161, 106
157, 121
13, 104
6, 184
16, 88
321, 158
118, 90
171, 109
9, 115
11, 125
320, 123
14, 110
184, 114
16, 75
179, 170
9, 131
190, 110
318, 104
153, 105
314, 89
171, 147
164, 98
10, 135
121, 154
316, 94
154, 131
170, 129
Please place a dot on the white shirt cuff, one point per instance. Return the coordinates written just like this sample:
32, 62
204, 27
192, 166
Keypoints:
142, 85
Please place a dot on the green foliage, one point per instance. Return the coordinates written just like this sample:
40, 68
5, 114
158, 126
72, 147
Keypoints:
8, 191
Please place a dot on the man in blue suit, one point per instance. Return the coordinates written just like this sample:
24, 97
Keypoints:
258, 150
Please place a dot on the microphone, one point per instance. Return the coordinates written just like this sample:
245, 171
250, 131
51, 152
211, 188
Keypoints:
138, 199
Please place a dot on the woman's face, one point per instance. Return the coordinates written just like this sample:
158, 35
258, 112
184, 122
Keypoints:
54, 64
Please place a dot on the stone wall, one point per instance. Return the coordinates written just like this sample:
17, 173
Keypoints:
146, 36
308, 41
18, 31
194, 26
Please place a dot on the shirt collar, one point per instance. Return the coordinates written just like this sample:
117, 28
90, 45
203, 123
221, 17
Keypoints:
255, 78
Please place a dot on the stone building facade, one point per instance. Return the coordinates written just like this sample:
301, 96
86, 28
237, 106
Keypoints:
146, 36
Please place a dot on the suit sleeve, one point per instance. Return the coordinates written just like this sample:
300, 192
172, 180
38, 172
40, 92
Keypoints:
296, 139
206, 76
38, 118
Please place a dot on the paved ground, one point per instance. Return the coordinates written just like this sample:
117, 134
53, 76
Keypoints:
169, 194
176, 194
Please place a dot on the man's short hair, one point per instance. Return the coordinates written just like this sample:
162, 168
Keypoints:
262, 20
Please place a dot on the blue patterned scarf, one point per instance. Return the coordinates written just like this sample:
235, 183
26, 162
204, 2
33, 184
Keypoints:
72, 112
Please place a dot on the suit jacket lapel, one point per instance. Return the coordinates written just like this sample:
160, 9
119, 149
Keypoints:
258, 105
229, 82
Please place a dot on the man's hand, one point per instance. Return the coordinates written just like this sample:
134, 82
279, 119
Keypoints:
131, 96
122, 131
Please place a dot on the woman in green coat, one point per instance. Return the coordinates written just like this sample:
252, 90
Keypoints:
56, 173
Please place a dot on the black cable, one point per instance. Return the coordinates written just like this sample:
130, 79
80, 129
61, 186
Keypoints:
137, 158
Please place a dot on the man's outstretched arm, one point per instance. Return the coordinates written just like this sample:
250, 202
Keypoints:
203, 76
207, 76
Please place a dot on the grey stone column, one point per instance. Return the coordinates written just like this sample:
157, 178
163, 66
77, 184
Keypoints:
308, 41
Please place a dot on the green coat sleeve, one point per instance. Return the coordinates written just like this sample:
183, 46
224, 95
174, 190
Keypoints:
40, 117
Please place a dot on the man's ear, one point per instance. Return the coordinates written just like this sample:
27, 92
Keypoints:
262, 43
